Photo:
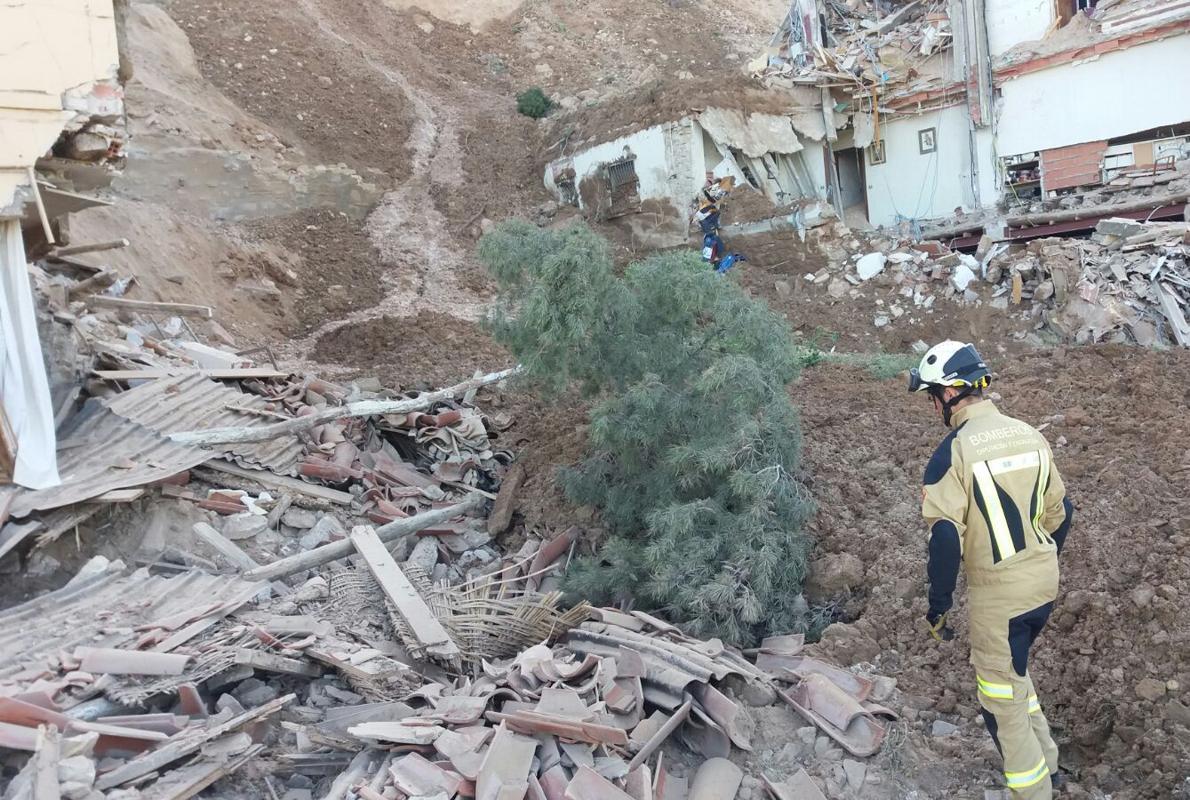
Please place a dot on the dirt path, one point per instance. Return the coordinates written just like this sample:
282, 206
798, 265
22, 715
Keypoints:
408, 230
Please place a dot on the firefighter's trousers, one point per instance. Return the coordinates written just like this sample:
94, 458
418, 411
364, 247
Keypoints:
1001, 637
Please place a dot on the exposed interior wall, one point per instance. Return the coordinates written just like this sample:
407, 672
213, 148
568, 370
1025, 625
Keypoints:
851, 186
47, 47
1010, 22
814, 157
987, 178
1068, 167
911, 185
1116, 94
655, 150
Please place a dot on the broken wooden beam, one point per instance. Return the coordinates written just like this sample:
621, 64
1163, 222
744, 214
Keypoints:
271, 479
341, 549
362, 408
94, 247
1090, 212
396, 587
98, 281
188, 781
663, 733
234, 374
270, 662
501, 516
184, 744
224, 546
125, 304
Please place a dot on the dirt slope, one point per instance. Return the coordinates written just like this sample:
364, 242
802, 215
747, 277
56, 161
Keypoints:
1120, 430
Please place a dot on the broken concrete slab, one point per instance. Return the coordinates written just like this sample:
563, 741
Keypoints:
870, 265
244, 526
716, 779
799, 786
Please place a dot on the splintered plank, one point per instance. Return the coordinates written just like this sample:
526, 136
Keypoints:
225, 547
269, 662
184, 744
409, 604
266, 478
125, 304
152, 373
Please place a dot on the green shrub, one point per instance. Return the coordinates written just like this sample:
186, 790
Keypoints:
695, 443
533, 103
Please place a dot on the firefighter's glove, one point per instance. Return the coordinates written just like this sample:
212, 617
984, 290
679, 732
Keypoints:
936, 625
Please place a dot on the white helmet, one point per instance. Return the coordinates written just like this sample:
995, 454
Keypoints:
952, 364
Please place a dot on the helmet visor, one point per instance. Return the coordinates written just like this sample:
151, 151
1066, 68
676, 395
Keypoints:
915, 383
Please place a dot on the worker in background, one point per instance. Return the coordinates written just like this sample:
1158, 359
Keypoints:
708, 203
994, 502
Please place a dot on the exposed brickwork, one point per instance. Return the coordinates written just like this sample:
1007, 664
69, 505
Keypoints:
1076, 165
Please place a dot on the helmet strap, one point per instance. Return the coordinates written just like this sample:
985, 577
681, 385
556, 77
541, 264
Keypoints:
948, 405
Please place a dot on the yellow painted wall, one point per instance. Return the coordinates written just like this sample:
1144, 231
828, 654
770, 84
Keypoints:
47, 47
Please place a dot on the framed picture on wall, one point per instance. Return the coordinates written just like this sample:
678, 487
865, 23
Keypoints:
876, 152
927, 140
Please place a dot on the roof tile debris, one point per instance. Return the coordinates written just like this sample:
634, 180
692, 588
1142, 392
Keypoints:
580, 707
364, 610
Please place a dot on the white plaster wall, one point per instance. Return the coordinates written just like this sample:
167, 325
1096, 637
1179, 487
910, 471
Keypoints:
921, 186
1010, 22
987, 178
46, 48
1113, 95
815, 158
655, 149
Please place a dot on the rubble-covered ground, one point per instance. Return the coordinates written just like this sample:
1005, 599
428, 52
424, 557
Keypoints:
319, 173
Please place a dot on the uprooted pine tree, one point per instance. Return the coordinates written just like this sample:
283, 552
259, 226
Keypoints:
694, 441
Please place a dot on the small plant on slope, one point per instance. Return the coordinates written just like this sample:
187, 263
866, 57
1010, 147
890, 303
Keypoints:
533, 103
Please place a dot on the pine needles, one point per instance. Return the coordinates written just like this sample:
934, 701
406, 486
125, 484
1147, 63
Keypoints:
695, 443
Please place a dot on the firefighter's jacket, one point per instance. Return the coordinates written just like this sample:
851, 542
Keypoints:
994, 500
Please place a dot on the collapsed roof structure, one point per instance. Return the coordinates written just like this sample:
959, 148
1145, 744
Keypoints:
972, 108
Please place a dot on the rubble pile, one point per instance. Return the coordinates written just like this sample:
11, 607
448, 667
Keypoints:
164, 686
864, 49
260, 447
1129, 283
1149, 185
340, 618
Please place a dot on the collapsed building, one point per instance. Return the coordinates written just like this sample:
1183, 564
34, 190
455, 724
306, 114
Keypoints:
995, 113
942, 119
668, 163
61, 110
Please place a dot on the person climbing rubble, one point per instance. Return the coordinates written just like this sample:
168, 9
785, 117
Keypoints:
994, 501
709, 202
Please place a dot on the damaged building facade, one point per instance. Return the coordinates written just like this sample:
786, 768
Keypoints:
62, 104
663, 166
992, 111
940, 119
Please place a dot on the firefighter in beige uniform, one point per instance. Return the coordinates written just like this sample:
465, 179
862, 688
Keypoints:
994, 502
